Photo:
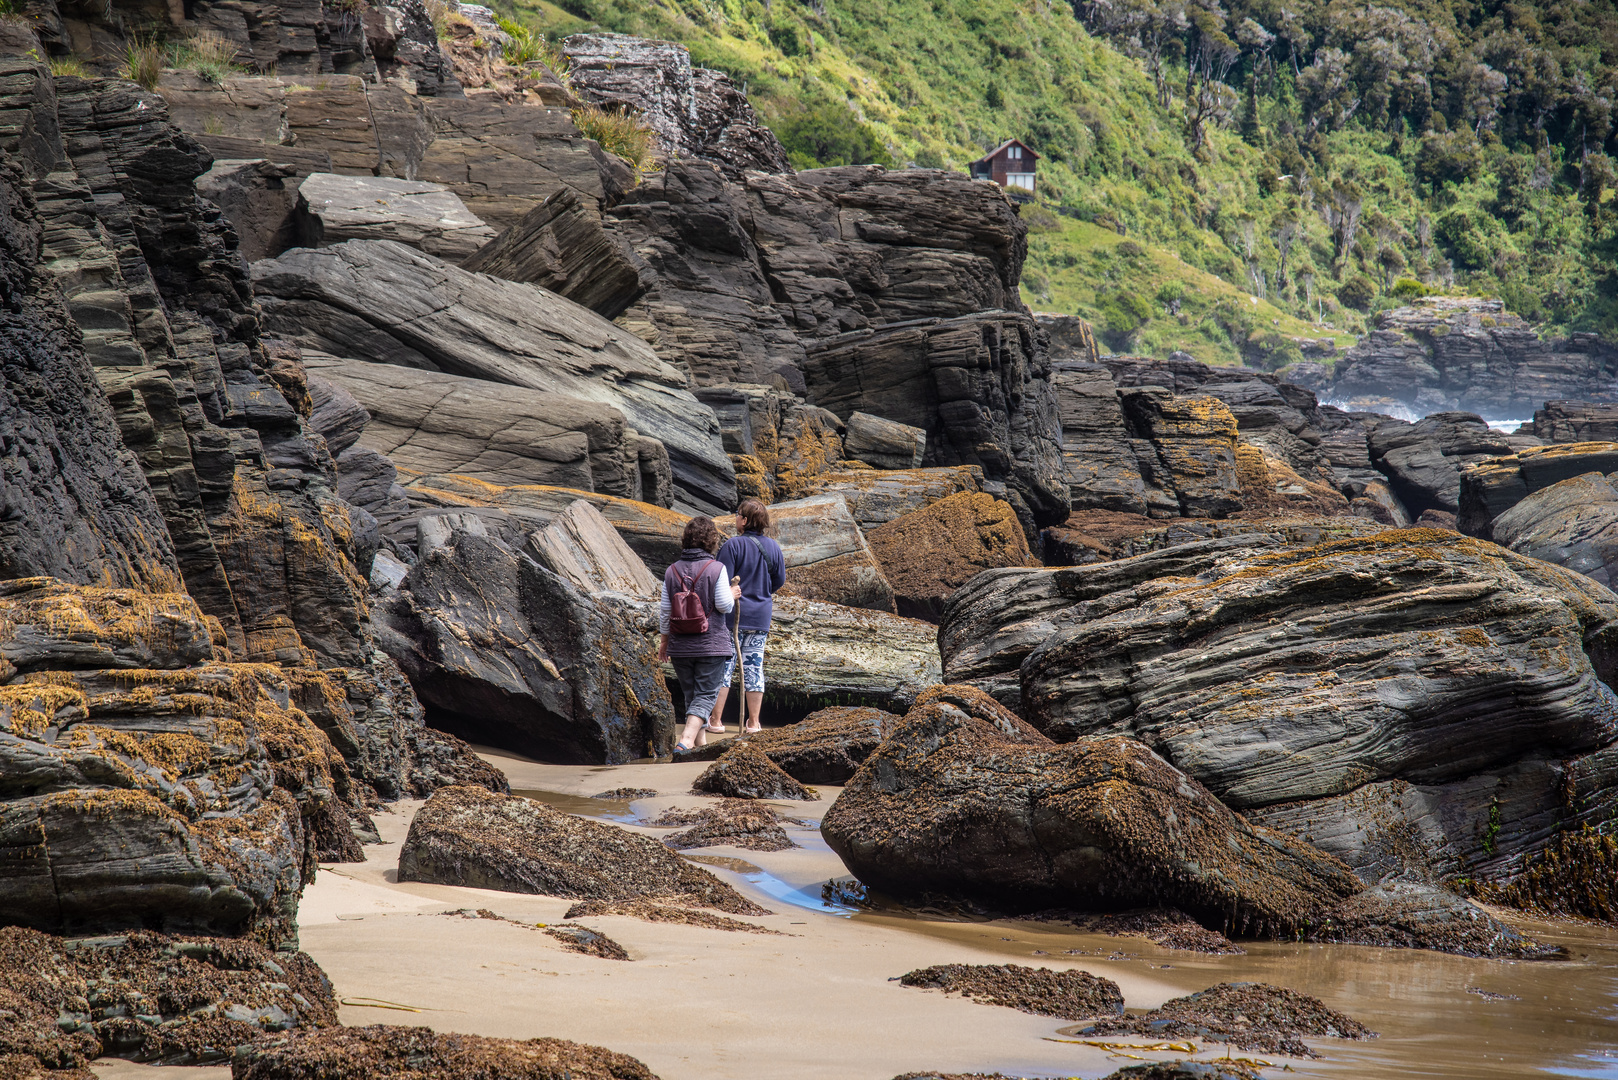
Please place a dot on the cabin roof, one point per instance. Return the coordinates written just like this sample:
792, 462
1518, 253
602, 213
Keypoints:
1010, 142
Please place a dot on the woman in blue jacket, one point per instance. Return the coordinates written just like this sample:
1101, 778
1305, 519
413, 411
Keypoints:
757, 560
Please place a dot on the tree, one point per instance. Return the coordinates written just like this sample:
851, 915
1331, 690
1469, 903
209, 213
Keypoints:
830, 134
1512, 193
1344, 203
1252, 134
1599, 177
1448, 157
1208, 99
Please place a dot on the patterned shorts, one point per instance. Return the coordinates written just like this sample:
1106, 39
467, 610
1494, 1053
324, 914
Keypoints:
752, 661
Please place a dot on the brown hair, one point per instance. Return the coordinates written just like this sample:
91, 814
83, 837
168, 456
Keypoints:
700, 532
754, 514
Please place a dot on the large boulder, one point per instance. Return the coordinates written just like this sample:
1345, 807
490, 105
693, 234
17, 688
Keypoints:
826, 555
1424, 461
927, 554
966, 801
823, 654
382, 302
1414, 684
473, 837
884, 444
420, 214
431, 422
509, 652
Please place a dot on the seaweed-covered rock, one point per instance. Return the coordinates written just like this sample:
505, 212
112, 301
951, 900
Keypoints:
382, 1052
1405, 915
965, 800
581, 939
825, 747
1071, 995
148, 997
739, 823
1253, 1016
471, 836
928, 554
743, 772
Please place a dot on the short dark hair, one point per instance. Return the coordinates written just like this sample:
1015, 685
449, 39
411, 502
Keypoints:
700, 532
755, 514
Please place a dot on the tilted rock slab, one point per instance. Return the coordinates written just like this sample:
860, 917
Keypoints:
1413, 698
965, 800
423, 215
512, 654
825, 654
1572, 524
1490, 488
431, 422
382, 302
826, 555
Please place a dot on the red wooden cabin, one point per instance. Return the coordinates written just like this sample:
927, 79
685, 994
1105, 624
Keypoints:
1011, 165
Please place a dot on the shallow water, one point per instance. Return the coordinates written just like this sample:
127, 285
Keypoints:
1439, 1016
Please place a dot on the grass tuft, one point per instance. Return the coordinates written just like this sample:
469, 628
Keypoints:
143, 61
618, 133
68, 66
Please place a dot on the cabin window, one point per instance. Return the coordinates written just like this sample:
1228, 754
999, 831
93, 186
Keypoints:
1014, 152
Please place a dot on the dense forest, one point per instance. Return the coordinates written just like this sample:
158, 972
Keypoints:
1225, 179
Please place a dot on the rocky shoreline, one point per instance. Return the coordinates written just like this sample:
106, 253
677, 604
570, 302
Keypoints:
341, 461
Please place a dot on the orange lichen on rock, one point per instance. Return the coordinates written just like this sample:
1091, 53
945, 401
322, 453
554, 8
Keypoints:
929, 553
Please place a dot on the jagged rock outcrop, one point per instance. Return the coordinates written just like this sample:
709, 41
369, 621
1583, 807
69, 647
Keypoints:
927, 554
513, 654
260, 198
1424, 461
1576, 422
826, 554
1464, 353
433, 422
1144, 450
1495, 485
73, 500
416, 213
694, 112
965, 800
560, 245
149, 997
472, 837
382, 302
1378, 696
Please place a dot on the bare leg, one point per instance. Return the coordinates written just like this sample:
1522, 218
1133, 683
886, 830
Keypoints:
692, 736
755, 702
716, 720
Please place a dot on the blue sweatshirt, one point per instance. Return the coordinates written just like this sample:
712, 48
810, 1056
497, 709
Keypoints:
758, 561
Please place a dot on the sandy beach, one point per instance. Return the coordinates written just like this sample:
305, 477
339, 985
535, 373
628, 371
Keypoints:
819, 1000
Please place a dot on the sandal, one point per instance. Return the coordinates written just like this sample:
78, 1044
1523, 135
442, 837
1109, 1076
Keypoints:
681, 748
752, 730
714, 730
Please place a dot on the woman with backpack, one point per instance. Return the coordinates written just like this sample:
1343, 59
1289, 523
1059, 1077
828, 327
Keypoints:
758, 562
696, 594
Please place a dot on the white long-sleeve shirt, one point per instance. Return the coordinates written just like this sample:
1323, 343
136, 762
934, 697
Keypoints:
723, 601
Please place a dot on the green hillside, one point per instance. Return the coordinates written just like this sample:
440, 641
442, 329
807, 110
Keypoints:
1326, 159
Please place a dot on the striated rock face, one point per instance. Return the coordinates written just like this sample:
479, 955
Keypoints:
150, 998
73, 501
1491, 487
381, 302
416, 213
965, 800
695, 113
1424, 461
825, 654
928, 554
1448, 353
390, 1053
431, 422
469, 836
1378, 696
511, 653
560, 245
1577, 422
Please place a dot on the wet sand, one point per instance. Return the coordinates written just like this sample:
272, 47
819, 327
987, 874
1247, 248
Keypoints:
699, 1003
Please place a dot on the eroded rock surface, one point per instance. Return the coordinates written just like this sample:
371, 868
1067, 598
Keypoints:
825, 747
353, 1053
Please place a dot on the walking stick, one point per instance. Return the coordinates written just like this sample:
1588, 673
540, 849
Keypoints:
741, 689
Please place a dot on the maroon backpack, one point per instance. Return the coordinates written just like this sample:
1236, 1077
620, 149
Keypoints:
687, 613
